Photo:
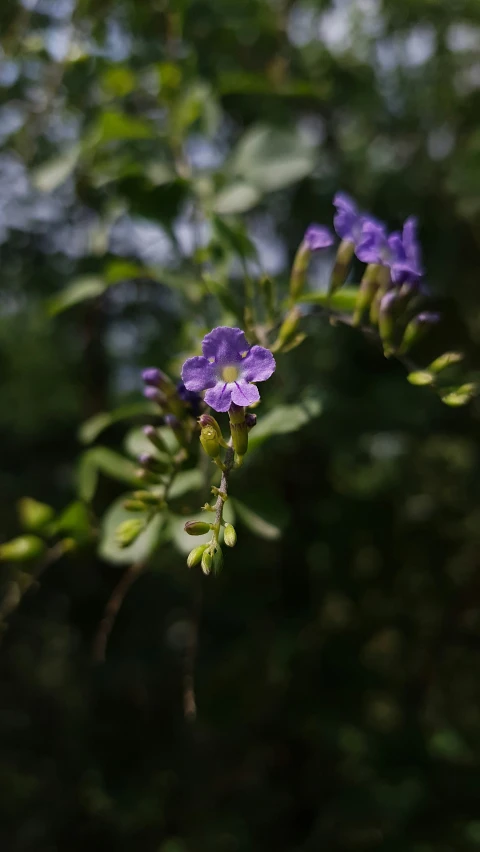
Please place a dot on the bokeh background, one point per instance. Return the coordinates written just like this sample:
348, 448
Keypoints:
338, 661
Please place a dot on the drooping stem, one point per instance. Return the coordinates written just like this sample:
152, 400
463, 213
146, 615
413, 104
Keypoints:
227, 466
112, 608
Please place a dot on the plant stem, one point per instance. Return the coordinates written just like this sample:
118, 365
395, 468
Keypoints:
228, 464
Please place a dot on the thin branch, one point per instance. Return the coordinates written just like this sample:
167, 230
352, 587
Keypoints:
112, 608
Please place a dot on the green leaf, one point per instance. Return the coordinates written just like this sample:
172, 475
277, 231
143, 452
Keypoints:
75, 520
34, 516
81, 289
125, 270
143, 546
56, 171
255, 522
342, 300
271, 159
238, 197
118, 80
118, 126
284, 419
185, 481
92, 428
106, 461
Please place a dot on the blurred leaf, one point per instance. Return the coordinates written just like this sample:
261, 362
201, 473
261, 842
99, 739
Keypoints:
34, 516
143, 546
255, 522
185, 481
449, 745
56, 171
75, 520
342, 300
92, 428
118, 126
237, 197
271, 158
118, 80
106, 461
284, 419
81, 289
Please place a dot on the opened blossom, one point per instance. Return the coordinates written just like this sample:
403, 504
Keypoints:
405, 255
228, 368
318, 237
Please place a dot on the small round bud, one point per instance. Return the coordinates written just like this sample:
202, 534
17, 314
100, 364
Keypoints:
250, 420
207, 561
195, 555
134, 506
209, 441
197, 527
128, 531
22, 548
229, 535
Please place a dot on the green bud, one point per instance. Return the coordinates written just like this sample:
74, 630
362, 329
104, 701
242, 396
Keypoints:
195, 555
229, 535
217, 563
209, 441
34, 515
148, 497
207, 561
22, 548
128, 531
368, 288
287, 329
299, 271
146, 476
446, 360
208, 420
417, 328
197, 527
153, 436
134, 506
238, 429
387, 320
342, 265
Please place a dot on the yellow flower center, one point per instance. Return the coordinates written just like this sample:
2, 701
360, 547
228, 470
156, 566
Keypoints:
229, 374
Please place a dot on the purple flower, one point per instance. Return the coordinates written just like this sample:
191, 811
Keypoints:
372, 246
318, 237
405, 257
347, 220
227, 368
190, 398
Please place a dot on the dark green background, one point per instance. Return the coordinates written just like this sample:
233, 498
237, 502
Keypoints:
338, 667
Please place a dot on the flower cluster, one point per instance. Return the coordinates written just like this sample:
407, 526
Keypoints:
399, 252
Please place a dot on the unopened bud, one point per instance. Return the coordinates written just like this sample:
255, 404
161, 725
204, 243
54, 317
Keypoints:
22, 548
195, 555
34, 515
153, 464
446, 360
155, 395
134, 506
368, 287
197, 527
229, 535
388, 314
207, 561
288, 328
250, 420
148, 497
152, 434
209, 441
128, 531
416, 329
238, 429
342, 264
146, 476
299, 271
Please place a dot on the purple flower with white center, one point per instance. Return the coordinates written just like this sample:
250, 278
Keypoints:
405, 256
318, 237
227, 369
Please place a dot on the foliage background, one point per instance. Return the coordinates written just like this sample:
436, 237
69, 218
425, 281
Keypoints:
337, 671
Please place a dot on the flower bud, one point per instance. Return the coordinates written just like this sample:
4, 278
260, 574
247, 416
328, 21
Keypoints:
250, 420
238, 429
34, 515
152, 434
299, 271
146, 476
368, 288
288, 328
155, 395
209, 441
229, 535
195, 555
172, 421
416, 329
342, 264
208, 420
134, 506
22, 548
128, 531
197, 527
207, 561
153, 464
147, 497
389, 309
446, 360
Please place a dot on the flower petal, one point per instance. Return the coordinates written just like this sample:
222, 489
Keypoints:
259, 365
225, 345
198, 374
220, 396
318, 237
244, 394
